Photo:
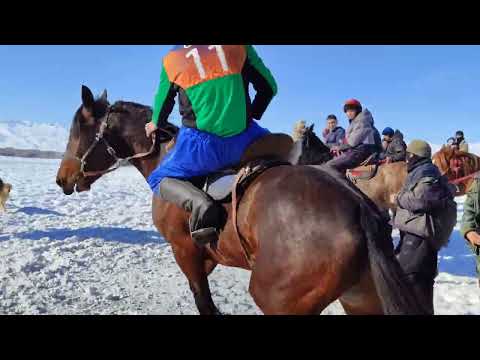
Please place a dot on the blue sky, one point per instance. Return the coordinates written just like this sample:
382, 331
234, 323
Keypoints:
426, 91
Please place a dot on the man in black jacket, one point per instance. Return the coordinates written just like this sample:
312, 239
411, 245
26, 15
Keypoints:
426, 216
394, 147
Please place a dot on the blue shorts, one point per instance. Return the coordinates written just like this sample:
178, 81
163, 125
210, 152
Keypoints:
198, 153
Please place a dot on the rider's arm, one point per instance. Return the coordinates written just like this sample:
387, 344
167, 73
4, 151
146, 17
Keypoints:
164, 100
262, 80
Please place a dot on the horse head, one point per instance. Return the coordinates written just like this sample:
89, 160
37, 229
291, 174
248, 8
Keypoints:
309, 149
100, 135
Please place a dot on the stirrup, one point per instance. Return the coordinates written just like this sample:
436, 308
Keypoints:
205, 236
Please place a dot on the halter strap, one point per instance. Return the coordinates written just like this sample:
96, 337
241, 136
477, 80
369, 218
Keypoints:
111, 151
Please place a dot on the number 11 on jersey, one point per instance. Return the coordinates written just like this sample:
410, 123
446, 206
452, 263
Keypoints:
198, 62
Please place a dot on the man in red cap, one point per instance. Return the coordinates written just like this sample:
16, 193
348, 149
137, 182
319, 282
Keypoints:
362, 138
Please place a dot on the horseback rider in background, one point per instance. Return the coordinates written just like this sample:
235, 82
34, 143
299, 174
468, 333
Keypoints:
394, 148
460, 142
362, 139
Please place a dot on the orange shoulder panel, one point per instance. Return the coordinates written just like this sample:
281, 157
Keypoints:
190, 65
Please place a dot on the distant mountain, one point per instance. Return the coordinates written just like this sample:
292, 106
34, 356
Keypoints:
33, 136
31, 153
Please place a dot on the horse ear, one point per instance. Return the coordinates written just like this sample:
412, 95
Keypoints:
87, 98
103, 97
310, 129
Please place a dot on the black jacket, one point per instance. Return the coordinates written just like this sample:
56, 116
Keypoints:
397, 149
425, 196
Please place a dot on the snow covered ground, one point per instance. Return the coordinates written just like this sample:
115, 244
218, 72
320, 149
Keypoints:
98, 253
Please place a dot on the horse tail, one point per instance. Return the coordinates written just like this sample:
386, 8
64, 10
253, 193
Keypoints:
396, 295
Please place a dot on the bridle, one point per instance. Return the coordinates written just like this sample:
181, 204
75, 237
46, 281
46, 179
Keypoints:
100, 137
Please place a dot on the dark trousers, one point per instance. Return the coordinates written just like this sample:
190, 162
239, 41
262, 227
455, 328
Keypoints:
418, 260
352, 158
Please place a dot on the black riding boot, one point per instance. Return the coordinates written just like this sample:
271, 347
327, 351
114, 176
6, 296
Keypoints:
206, 215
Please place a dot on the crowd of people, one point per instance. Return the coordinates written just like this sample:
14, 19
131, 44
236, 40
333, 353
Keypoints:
426, 211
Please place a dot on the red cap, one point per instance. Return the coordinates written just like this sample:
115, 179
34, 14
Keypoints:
353, 102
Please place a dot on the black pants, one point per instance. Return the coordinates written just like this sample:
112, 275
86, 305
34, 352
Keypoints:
419, 261
352, 158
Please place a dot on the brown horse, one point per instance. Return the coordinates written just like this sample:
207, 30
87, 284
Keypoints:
312, 238
381, 189
458, 166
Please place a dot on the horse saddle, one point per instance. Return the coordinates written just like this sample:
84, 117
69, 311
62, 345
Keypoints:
366, 171
363, 172
267, 152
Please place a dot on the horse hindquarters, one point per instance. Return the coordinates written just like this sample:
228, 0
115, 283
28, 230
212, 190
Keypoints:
309, 244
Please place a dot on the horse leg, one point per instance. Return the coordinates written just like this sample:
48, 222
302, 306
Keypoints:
196, 268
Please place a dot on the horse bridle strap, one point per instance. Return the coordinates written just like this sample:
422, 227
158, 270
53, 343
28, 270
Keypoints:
118, 161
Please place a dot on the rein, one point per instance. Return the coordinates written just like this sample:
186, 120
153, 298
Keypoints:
100, 137
462, 179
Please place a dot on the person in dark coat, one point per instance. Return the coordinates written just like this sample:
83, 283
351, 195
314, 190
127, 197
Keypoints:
333, 134
394, 148
362, 139
426, 216
460, 141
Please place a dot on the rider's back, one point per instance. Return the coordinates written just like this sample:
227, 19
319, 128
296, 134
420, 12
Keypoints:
212, 83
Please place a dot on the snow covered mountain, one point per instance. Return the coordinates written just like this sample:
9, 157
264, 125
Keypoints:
29, 135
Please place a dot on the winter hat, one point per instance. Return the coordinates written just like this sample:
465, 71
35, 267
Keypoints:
420, 148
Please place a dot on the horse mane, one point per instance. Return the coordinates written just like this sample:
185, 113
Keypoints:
136, 116
129, 106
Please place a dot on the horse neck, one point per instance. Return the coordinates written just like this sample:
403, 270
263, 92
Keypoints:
147, 165
136, 145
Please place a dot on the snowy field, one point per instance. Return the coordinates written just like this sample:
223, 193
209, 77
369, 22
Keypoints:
98, 253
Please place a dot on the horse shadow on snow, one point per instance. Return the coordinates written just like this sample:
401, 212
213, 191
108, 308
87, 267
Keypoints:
38, 211
113, 234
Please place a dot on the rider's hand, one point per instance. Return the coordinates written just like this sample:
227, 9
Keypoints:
150, 128
473, 237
